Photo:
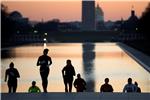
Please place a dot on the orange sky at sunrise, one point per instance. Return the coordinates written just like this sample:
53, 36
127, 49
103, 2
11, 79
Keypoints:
71, 10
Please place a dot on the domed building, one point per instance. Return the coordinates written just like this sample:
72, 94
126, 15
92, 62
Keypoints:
17, 16
99, 14
132, 23
133, 17
99, 18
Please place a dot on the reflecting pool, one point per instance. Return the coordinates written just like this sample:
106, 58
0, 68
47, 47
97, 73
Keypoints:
94, 61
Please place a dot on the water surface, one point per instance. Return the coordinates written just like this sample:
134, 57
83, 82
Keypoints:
94, 61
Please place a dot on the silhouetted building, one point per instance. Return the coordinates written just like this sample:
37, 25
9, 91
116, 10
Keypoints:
118, 25
17, 16
88, 15
99, 14
69, 26
133, 17
109, 25
99, 18
132, 23
22, 24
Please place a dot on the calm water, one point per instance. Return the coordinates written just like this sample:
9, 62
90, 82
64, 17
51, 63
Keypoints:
95, 62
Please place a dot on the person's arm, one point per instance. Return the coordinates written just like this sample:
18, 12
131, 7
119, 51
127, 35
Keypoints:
84, 82
29, 90
74, 73
63, 71
50, 61
139, 90
38, 62
112, 89
135, 88
39, 89
124, 89
17, 74
6, 73
75, 83
101, 89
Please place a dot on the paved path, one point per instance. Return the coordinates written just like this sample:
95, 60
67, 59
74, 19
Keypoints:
140, 57
76, 96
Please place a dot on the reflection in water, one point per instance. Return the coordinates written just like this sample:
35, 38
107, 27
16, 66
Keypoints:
95, 62
5, 53
88, 65
45, 46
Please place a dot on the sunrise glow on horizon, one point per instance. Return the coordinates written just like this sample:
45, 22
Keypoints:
71, 10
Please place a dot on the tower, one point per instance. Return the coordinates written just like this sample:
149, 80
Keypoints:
88, 15
132, 11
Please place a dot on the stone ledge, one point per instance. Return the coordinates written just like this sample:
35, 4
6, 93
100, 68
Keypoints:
75, 96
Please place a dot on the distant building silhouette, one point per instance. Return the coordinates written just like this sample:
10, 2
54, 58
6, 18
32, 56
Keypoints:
17, 16
88, 15
99, 18
99, 14
109, 25
131, 24
133, 19
129, 28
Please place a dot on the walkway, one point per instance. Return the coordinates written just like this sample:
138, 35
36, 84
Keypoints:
76, 96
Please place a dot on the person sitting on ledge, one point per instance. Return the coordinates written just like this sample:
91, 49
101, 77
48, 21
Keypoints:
34, 88
106, 87
80, 84
130, 87
138, 88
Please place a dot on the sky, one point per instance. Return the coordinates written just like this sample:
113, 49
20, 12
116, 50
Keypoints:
70, 10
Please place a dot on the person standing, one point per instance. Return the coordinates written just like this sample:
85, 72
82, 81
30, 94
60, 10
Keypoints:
68, 72
138, 88
106, 87
79, 84
12, 74
44, 62
129, 87
34, 88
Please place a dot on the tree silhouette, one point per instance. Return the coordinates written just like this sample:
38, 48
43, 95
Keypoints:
144, 24
10, 27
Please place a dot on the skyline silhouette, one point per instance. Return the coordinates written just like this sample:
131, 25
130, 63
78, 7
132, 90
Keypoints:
45, 10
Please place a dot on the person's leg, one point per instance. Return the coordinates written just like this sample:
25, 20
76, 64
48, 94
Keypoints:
46, 80
70, 84
66, 87
9, 89
9, 86
44, 76
65, 82
45, 86
15, 86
